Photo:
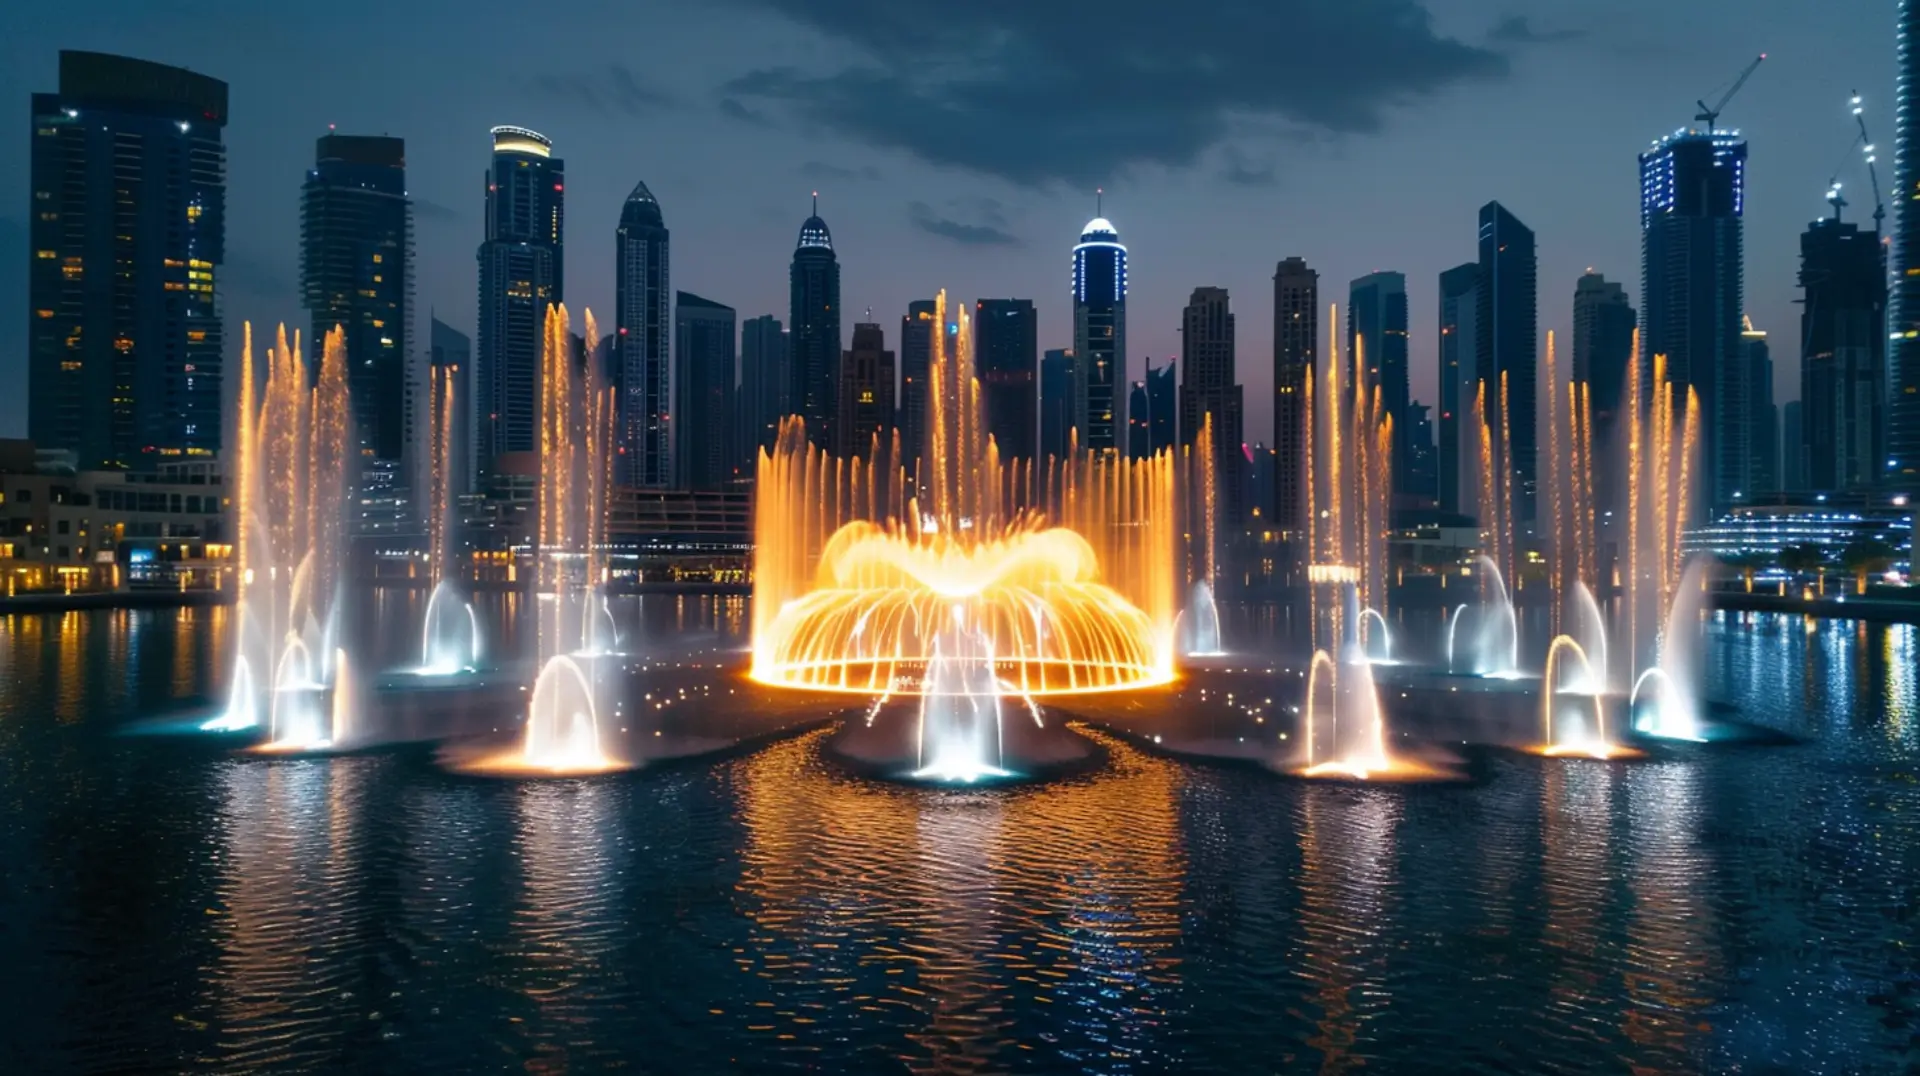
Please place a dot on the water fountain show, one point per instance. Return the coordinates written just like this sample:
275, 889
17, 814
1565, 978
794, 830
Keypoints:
959, 617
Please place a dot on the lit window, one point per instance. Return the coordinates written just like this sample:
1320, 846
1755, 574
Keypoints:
44, 254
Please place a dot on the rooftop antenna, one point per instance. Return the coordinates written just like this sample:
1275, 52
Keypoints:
1099, 196
816, 203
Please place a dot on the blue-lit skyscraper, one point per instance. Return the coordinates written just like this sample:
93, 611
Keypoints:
1903, 403
1100, 337
126, 234
521, 275
1692, 195
642, 410
814, 329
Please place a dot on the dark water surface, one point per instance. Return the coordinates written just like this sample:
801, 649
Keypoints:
167, 906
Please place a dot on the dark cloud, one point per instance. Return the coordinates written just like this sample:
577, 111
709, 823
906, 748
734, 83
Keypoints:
823, 170
1077, 91
1516, 30
927, 220
608, 90
1243, 171
731, 108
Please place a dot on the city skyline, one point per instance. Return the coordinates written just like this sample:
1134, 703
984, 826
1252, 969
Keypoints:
906, 224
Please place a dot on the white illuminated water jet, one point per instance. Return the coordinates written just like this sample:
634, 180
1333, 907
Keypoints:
308, 715
1674, 713
563, 724
1376, 641
1589, 629
960, 736
1493, 644
449, 635
598, 634
1345, 733
1573, 713
1200, 623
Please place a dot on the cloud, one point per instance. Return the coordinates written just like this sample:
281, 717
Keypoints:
1243, 171
1516, 30
731, 108
927, 220
1079, 91
823, 170
614, 88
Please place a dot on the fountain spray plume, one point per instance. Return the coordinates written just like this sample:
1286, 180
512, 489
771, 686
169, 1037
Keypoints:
1661, 592
450, 640
1349, 453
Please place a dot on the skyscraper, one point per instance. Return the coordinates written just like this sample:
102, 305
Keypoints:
1692, 194
702, 417
1006, 359
1793, 448
1603, 324
765, 379
451, 349
1151, 419
1903, 412
1459, 345
1842, 327
1296, 335
1377, 315
356, 272
127, 230
1100, 337
814, 345
1764, 472
1422, 479
1508, 322
643, 414
917, 334
1058, 378
1208, 391
521, 275
865, 408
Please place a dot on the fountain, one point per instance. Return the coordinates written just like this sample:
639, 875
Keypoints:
449, 634
1376, 640
1674, 712
450, 640
291, 487
1573, 712
307, 715
1200, 623
960, 737
1493, 643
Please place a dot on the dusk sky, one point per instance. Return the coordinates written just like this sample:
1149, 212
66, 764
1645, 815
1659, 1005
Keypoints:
959, 146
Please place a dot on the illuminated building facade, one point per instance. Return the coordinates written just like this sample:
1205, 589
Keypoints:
126, 229
521, 274
1507, 344
1377, 315
642, 410
1692, 200
1151, 412
1903, 412
1458, 337
917, 334
356, 273
1296, 335
1100, 337
1208, 393
866, 405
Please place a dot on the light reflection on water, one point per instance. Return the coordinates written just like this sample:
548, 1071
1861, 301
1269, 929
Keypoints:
177, 908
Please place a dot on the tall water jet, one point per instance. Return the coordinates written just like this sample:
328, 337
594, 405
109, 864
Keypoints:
301, 718
1588, 627
292, 476
449, 634
1376, 639
1493, 641
1200, 622
1573, 714
450, 641
960, 737
1348, 470
1673, 712
1345, 734
563, 721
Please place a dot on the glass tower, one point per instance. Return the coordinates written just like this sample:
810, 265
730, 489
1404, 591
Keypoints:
520, 277
640, 371
1100, 337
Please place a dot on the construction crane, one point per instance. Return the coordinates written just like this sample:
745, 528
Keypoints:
1864, 142
1711, 115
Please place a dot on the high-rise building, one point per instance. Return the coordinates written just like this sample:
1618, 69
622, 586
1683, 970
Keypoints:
1507, 345
1903, 411
917, 334
1208, 391
1377, 318
1842, 367
703, 407
1100, 337
1422, 478
1296, 335
1058, 378
1793, 454
1603, 324
1692, 195
765, 379
1006, 359
127, 232
521, 275
643, 413
814, 343
1764, 472
866, 378
1459, 338
450, 349
1151, 419
356, 274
